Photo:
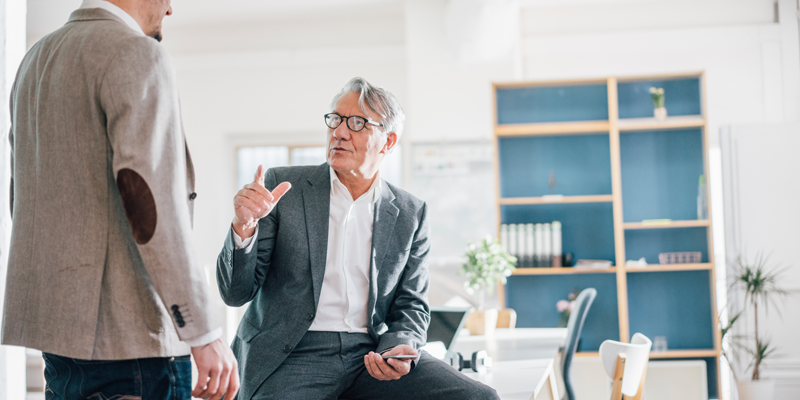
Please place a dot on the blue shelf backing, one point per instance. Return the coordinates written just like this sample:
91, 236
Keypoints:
587, 229
534, 298
552, 104
648, 243
681, 97
676, 305
581, 165
660, 174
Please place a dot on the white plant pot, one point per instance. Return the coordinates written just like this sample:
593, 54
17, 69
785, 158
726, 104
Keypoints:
756, 390
660, 113
482, 322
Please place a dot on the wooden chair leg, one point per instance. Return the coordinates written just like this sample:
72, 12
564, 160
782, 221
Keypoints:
641, 385
619, 371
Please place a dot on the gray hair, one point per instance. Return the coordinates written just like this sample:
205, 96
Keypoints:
375, 99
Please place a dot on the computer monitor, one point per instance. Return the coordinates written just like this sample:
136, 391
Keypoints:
445, 324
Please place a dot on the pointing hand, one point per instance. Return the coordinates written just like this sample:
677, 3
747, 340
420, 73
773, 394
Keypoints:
254, 202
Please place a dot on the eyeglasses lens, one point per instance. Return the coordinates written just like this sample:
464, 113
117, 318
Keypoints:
333, 121
356, 123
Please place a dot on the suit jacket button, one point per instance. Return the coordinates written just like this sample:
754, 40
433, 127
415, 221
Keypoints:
181, 323
192, 196
310, 316
287, 348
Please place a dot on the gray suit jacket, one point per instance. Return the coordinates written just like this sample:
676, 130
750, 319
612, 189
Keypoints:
102, 262
283, 273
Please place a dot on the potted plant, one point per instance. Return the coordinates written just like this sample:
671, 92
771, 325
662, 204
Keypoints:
659, 111
488, 263
760, 287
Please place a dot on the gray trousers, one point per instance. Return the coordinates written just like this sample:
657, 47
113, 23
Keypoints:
330, 365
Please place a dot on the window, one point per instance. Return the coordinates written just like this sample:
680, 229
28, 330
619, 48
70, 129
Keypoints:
249, 158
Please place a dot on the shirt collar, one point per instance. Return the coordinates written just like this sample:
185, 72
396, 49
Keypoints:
376, 187
118, 12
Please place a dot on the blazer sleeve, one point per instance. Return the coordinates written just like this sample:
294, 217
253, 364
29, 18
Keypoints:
139, 96
240, 273
409, 314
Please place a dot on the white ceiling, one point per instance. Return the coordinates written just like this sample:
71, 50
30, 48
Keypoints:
45, 16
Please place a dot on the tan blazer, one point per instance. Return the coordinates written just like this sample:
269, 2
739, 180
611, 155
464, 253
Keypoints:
102, 263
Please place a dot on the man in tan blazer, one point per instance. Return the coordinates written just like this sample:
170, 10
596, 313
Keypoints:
103, 274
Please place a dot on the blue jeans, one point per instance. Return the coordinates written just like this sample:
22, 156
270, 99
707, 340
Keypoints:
138, 379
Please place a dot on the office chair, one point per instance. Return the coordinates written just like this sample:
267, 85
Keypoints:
574, 327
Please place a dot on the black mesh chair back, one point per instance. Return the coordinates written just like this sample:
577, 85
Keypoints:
574, 327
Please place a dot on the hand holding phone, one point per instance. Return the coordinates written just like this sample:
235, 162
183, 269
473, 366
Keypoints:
400, 356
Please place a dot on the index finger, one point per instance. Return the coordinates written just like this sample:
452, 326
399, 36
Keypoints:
260, 175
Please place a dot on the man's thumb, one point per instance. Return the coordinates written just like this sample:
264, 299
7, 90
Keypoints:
281, 190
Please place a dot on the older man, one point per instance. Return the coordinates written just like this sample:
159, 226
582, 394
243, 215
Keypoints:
103, 275
337, 271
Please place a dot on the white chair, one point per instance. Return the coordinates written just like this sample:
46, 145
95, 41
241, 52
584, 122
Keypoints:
626, 365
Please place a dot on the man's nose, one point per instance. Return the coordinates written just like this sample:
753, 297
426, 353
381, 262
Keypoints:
342, 132
169, 11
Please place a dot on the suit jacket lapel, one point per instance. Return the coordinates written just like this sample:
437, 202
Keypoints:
382, 228
317, 205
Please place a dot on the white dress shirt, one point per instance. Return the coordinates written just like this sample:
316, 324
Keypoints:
209, 337
118, 12
345, 286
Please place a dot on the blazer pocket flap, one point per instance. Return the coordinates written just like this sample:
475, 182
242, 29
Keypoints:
247, 331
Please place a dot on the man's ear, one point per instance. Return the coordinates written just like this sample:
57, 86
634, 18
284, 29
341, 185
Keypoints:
391, 141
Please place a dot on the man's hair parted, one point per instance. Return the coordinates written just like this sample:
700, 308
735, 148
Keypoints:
375, 99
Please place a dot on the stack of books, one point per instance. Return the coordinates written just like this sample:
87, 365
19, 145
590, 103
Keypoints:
534, 245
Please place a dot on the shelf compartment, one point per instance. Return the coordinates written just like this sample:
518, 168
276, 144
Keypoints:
524, 105
666, 224
648, 243
606, 198
647, 124
534, 298
581, 165
660, 173
676, 305
682, 96
563, 271
587, 230
554, 128
671, 267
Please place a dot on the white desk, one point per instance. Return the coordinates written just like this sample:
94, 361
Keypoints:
523, 361
513, 344
521, 379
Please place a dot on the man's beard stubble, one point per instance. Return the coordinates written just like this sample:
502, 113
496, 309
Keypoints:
156, 35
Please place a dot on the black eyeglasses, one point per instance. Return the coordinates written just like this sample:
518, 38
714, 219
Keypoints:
354, 122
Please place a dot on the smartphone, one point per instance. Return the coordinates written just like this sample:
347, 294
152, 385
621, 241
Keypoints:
400, 357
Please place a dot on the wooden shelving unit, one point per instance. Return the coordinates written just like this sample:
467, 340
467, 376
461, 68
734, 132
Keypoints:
671, 267
649, 124
664, 355
563, 271
556, 200
702, 223
556, 128
629, 185
684, 354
